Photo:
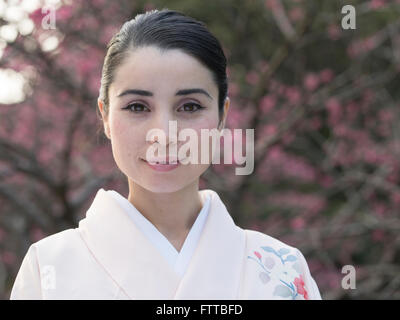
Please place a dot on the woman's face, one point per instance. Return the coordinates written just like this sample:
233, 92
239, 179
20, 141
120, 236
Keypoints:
132, 115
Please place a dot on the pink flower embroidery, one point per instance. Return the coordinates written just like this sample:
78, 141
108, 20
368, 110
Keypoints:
299, 283
257, 254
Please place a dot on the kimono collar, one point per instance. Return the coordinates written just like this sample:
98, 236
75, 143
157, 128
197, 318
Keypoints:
139, 269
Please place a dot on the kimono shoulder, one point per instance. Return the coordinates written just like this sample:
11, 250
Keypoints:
61, 266
275, 270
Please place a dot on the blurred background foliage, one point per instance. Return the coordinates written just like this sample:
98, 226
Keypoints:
324, 103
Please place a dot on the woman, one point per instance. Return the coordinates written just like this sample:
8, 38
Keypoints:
167, 239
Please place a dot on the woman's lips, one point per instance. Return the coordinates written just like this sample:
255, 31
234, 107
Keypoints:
162, 167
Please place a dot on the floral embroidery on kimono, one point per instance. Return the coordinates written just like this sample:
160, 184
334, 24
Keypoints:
284, 267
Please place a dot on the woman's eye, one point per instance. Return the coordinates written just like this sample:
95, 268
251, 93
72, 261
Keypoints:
192, 107
136, 107
139, 108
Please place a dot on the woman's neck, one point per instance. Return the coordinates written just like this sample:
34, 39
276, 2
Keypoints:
173, 214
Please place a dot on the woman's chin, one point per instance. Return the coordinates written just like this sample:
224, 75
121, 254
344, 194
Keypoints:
162, 188
163, 183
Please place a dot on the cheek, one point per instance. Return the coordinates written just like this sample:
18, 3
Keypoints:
124, 138
206, 123
119, 130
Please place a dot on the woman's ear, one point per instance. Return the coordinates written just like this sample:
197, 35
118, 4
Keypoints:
104, 116
226, 108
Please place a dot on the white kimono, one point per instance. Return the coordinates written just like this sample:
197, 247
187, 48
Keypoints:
116, 253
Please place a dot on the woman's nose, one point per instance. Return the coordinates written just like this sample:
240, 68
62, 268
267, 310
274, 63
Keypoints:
167, 123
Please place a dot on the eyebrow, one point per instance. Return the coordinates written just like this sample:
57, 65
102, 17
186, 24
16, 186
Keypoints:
178, 93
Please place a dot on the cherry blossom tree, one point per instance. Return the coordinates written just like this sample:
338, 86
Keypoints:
323, 101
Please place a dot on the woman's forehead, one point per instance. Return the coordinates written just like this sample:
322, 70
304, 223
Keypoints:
152, 69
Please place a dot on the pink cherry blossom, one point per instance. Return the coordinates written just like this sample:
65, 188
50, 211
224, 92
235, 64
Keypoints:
252, 77
293, 94
326, 75
297, 223
267, 103
296, 14
271, 4
311, 81
334, 32
377, 4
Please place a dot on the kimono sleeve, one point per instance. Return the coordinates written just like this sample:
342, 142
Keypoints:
27, 285
313, 291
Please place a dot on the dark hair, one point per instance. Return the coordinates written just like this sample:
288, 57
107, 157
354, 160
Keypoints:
166, 29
